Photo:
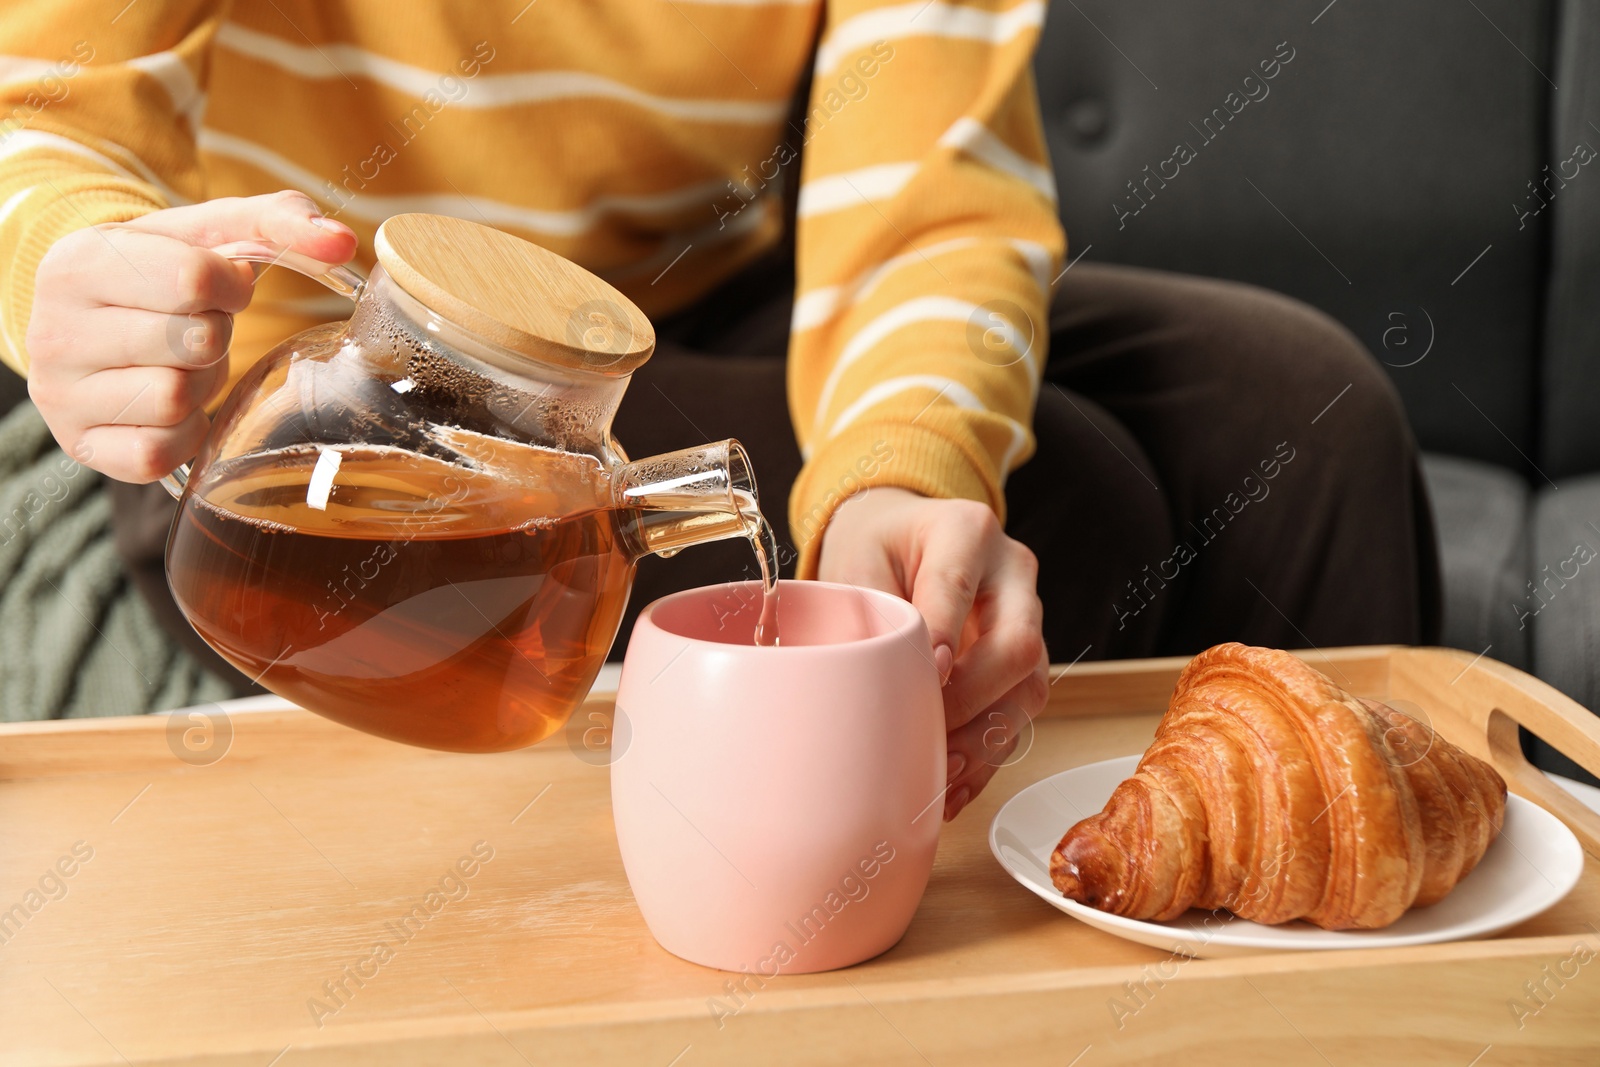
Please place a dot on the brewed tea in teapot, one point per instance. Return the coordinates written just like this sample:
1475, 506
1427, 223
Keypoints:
417, 522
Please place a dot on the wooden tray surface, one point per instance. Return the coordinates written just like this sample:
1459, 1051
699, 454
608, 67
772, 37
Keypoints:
229, 913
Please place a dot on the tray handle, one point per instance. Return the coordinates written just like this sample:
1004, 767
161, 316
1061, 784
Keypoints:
1493, 699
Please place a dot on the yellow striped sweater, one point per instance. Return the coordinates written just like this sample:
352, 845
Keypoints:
638, 138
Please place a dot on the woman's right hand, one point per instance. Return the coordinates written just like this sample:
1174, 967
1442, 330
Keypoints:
131, 324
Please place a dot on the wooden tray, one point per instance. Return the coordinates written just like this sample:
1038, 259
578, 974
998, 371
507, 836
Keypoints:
223, 904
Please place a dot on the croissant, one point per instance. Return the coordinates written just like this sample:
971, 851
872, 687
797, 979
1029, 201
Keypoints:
1271, 792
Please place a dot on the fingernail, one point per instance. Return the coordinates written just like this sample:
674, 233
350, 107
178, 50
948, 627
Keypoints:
956, 803
943, 660
954, 766
322, 222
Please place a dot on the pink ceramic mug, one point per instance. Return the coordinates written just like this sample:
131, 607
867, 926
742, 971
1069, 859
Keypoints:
778, 808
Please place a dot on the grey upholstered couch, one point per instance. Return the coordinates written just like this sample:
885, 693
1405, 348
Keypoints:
1415, 170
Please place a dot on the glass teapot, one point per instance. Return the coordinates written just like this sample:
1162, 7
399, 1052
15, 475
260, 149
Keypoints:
416, 522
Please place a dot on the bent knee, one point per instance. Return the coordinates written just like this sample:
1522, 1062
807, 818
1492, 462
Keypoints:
1301, 370
1341, 389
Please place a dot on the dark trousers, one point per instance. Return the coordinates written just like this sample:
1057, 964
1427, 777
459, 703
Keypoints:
1215, 462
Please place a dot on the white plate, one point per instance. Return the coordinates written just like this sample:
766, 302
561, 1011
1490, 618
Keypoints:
1532, 864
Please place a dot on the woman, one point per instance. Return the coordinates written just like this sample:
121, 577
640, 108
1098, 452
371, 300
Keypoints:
1207, 461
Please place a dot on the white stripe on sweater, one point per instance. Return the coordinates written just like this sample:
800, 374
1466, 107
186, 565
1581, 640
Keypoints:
881, 181
16, 71
485, 90
1019, 438
173, 74
924, 19
978, 141
818, 306
848, 189
14, 201
166, 68
31, 140
1040, 262
945, 389
911, 312
375, 208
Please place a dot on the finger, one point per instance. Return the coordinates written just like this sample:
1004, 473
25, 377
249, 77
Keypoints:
132, 337
144, 396
1010, 638
873, 570
156, 273
141, 453
198, 339
992, 739
290, 219
949, 573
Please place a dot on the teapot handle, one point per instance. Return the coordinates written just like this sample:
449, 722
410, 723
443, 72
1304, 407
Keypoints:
340, 279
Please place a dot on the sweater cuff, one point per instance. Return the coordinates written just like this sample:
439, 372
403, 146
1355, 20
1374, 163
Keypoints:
867, 455
87, 200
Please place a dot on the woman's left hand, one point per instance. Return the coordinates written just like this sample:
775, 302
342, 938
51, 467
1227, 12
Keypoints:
976, 589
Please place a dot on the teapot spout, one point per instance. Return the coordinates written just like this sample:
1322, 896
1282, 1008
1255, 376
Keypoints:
689, 497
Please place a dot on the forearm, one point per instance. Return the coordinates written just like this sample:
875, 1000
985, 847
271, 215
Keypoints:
927, 241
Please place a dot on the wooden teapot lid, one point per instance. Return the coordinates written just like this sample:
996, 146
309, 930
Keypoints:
514, 293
